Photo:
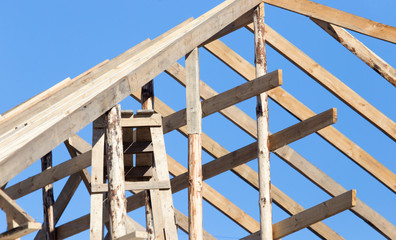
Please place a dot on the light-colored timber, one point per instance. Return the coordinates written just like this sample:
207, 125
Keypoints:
194, 122
337, 17
359, 49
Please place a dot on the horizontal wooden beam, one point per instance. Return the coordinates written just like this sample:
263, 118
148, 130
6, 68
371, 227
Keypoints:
142, 121
330, 82
359, 49
95, 188
337, 17
51, 175
226, 99
296, 131
299, 110
20, 231
310, 216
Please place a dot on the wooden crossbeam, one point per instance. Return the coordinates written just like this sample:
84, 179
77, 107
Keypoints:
65, 117
299, 110
310, 216
330, 82
359, 49
337, 17
226, 99
137, 235
51, 175
96, 188
20, 231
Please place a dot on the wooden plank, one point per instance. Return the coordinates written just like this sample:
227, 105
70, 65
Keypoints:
115, 170
97, 163
139, 121
48, 202
226, 99
49, 176
11, 208
299, 110
337, 17
194, 126
312, 215
11, 223
96, 188
65, 117
330, 82
248, 125
20, 231
263, 142
292, 133
137, 235
359, 49
166, 203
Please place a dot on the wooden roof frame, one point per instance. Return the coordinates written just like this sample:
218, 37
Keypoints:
34, 128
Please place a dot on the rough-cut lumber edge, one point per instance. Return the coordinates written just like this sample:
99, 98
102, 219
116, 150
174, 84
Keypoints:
115, 170
337, 17
194, 128
243, 171
20, 231
330, 82
227, 98
360, 50
299, 110
102, 93
312, 215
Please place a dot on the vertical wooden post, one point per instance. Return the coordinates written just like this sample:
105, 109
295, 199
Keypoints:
48, 202
115, 170
97, 163
147, 101
265, 200
194, 116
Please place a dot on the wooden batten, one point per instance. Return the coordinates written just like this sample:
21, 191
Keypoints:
194, 126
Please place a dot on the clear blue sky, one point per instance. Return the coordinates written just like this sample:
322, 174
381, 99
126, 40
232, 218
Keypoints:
44, 42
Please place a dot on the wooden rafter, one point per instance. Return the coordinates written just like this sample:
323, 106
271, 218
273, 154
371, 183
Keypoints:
359, 49
337, 17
